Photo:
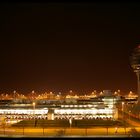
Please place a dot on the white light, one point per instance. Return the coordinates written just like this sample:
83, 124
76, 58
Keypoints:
23, 111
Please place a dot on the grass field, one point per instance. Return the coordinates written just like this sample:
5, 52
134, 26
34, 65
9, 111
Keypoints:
65, 123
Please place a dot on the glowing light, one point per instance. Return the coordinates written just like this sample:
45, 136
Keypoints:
83, 111
23, 111
70, 91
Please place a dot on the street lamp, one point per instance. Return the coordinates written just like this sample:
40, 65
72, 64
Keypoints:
70, 122
14, 94
116, 129
123, 117
34, 112
3, 123
123, 110
122, 106
33, 107
129, 114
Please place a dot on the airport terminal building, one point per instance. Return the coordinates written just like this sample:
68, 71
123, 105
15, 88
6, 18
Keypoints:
101, 107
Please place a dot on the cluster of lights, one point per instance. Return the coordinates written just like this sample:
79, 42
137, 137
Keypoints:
34, 95
79, 106
23, 111
84, 111
108, 116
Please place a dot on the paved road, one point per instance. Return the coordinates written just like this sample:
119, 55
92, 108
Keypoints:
90, 132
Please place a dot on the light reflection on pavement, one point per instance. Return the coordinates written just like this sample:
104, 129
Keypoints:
65, 132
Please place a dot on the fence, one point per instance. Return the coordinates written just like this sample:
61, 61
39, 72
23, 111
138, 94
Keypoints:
32, 131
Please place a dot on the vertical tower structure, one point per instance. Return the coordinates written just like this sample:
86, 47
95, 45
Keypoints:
135, 64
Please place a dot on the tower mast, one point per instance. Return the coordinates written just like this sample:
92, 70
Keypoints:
135, 64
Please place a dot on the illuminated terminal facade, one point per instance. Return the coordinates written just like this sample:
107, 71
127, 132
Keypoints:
104, 106
89, 107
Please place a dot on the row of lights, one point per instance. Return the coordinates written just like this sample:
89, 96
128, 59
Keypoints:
51, 94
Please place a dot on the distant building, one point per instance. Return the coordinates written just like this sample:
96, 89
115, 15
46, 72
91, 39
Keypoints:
107, 93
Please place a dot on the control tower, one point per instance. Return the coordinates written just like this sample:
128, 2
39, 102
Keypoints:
135, 64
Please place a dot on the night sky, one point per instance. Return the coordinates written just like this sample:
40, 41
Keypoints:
68, 46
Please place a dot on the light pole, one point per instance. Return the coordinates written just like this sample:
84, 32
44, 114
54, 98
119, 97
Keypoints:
123, 111
123, 117
34, 105
129, 114
107, 130
4, 123
14, 95
116, 130
34, 112
70, 122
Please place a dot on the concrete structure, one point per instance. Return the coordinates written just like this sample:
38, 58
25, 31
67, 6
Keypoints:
107, 93
50, 114
94, 108
135, 64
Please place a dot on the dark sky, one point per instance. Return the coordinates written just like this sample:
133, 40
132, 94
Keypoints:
63, 46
